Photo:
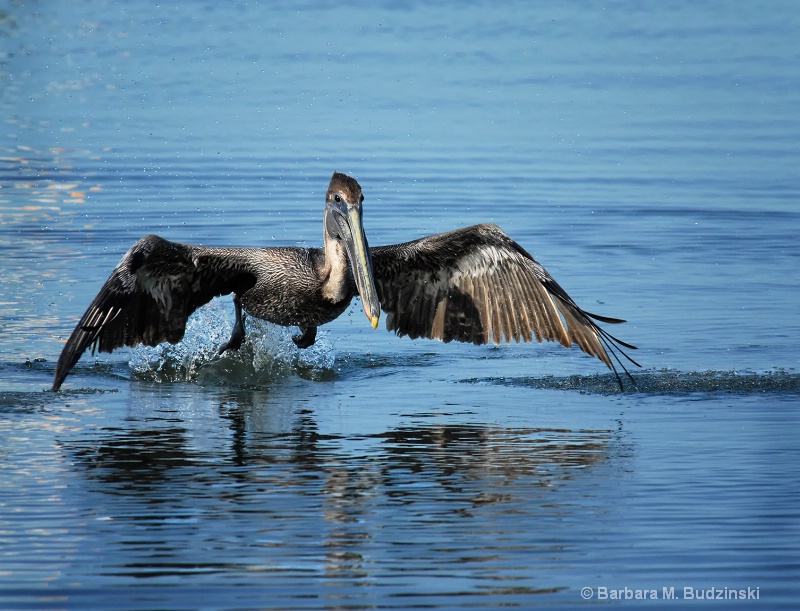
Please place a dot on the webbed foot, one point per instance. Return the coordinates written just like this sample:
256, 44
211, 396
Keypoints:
238, 333
235, 342
307, 338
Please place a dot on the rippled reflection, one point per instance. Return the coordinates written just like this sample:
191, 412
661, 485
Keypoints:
352, 509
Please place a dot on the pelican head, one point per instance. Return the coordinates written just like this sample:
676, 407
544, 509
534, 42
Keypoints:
343, 222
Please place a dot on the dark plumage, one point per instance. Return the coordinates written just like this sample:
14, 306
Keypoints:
471, 285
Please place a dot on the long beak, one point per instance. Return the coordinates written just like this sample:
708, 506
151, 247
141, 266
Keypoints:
358, 251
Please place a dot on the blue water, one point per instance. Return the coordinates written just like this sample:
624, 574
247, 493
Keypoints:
646, 154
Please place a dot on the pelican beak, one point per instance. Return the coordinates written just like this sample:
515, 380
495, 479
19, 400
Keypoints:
361, 262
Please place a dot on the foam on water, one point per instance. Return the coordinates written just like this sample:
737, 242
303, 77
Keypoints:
665, 382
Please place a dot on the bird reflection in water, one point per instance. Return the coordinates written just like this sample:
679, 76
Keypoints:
293, 493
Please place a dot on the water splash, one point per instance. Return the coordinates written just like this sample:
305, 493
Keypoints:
666, 382
267, 354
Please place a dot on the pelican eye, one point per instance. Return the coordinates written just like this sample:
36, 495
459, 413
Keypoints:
337, 198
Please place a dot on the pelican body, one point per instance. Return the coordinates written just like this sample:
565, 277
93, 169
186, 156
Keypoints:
473, 284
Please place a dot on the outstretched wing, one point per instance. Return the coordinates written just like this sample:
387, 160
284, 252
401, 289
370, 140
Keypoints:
477, 285
150, 295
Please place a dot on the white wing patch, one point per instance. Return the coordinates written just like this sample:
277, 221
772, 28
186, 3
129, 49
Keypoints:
511, 301
160, 288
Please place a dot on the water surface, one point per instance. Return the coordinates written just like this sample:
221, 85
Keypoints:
645, 154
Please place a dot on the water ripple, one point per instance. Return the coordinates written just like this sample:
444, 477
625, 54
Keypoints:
664, 382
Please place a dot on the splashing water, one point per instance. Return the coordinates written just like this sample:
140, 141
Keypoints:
666, 382
267, 354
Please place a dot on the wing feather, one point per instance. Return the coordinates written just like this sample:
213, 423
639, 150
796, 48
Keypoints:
150, 295
477, 285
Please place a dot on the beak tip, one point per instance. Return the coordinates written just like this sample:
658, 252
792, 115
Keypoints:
374, 321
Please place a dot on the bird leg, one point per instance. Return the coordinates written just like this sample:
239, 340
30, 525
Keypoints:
237, 334
307, 338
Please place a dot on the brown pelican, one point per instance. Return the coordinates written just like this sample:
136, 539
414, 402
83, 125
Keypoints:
471, 285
